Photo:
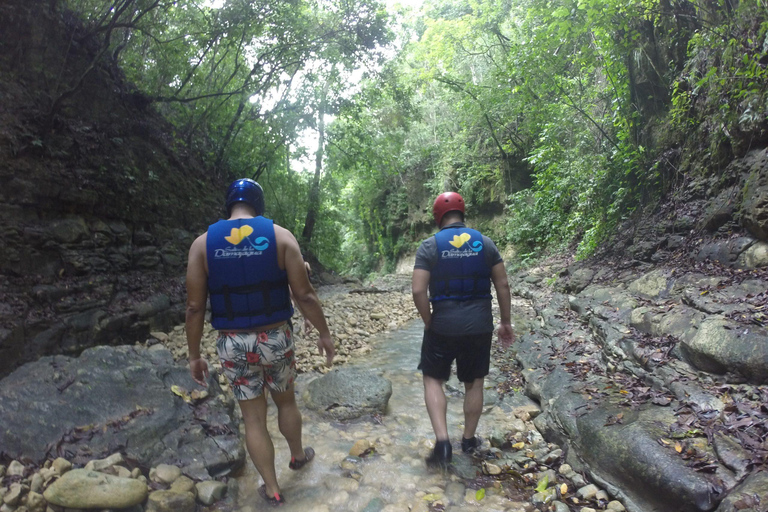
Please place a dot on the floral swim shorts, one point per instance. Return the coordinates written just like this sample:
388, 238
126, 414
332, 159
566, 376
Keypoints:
253, 359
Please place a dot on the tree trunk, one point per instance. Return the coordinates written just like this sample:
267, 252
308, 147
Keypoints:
314, 192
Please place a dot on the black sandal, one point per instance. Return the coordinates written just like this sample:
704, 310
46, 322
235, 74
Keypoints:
275, 500
309, 454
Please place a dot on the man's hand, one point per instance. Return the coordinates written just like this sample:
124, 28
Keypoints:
308, 326
325, 344
199, 370
506, 335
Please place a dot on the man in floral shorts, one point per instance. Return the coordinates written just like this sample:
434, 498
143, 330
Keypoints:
249, 267
252, 360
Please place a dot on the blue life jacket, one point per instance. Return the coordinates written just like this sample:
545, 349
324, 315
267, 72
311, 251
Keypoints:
247, 287
462, 272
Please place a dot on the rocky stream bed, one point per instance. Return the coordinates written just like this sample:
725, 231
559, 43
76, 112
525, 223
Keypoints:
612, 399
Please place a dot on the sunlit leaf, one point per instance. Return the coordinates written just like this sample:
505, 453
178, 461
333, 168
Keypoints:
480, 494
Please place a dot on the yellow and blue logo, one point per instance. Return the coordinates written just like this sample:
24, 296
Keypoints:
459, 240
237, 235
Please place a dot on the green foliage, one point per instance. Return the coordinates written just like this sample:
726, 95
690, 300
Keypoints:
723, 91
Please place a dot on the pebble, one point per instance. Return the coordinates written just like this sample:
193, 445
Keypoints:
360, 447
101, 464
36, 482
616, 506
565, 469
559, 506
35, 502
601, 495
183, 484
587, 492
15, 468
210, 491
168, 501
165, 474
588, 509
13, 496
61, 465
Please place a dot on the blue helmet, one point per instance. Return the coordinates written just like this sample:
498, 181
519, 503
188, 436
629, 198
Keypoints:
246, 191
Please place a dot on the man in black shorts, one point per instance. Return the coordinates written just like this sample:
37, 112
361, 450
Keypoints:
457, 266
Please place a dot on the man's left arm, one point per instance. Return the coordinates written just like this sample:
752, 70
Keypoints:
501, 284
197, 296
419, 287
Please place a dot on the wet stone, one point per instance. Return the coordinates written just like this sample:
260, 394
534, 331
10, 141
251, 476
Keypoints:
544, 497
210, 491
616, 506
165, 473
15, 468
587, 492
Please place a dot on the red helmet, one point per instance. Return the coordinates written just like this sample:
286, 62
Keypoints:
447, 202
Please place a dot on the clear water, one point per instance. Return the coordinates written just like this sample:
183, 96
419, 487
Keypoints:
395, 478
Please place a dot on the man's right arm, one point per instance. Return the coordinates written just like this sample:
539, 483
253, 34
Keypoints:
304, 293
501, 284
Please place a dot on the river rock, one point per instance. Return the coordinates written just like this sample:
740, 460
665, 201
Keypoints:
15, 468
754, 207
183, 484
587, 492
749, 496
347, 393
124, 395
721, 345
165, 474
210, 491
81, 488
61, 465
754, 257
35, 502
169, 501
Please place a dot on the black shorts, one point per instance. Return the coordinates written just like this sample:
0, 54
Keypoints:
471, 352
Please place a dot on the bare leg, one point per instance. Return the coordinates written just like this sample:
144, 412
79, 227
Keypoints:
258, 441
473, 406
289, 420
434, 398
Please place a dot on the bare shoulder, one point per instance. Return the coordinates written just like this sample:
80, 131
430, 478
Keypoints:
198, 246
283, 236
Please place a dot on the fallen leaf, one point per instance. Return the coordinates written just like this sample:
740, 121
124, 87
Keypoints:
543, 484
563, 489
678, 448
480, 494
518, 446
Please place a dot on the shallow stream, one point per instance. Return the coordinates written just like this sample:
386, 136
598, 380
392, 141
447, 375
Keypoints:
395, 477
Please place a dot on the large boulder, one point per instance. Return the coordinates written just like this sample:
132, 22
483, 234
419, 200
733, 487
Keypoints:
348, 393
127, 399
721, 346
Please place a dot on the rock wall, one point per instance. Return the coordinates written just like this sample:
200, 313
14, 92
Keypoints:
98, 203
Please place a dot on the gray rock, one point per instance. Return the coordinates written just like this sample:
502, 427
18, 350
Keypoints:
653, 284
130, 388
165, 473
15, 468
80, 488
750, 495
348, 393
587, 492
721, 345
754, 206
754, 257
210, 492
169, 501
